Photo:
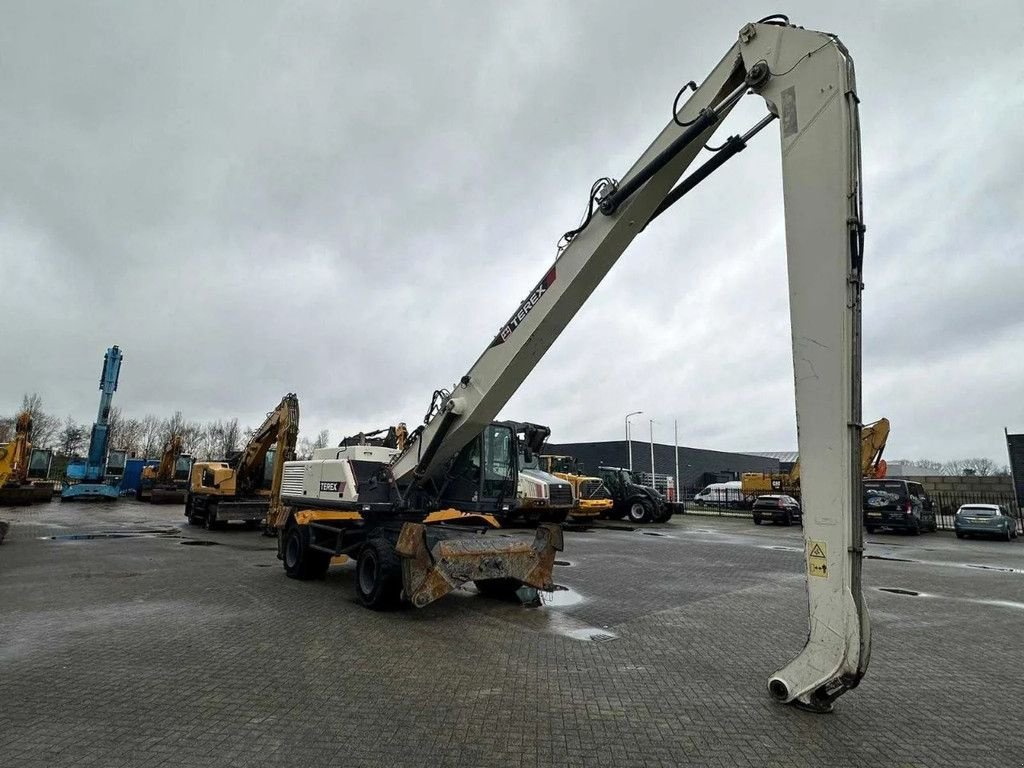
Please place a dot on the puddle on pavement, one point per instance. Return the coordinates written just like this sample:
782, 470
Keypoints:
126, 534
658, 534
565, 563
1000, 568
559, 623
560, 597
199, 543
971, 566
591, 634
781, 548
975, 600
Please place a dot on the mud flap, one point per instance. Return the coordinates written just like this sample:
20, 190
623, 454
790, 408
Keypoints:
432, 570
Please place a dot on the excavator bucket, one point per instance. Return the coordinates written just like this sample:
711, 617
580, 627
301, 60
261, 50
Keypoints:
434, 564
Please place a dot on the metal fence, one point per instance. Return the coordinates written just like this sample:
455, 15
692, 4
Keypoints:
946, 504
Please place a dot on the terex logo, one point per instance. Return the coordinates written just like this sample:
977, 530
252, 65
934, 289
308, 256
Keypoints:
525, 308
331, 487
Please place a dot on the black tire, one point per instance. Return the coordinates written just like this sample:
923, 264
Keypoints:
1009, 536
498, 589
210, 522
190, 511
870, 528
915, 529
757, 520
301, 562
787, 520
640, 511
378, 575
959, 535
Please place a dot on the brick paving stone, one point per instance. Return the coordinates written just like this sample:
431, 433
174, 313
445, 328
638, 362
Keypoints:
144, 652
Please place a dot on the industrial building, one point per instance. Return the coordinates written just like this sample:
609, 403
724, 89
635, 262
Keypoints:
697, 466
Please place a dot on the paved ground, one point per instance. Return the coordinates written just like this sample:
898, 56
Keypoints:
150, 650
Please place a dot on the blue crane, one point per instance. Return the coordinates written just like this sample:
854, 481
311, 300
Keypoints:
92, 485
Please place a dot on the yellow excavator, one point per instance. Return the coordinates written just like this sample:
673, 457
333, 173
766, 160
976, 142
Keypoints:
872, 443
240, 488
15, 487
167, 482
589, 496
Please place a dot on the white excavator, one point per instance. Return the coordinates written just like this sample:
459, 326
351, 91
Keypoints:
372, 505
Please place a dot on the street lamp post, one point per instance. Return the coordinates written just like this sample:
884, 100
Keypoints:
629, 443
653, 483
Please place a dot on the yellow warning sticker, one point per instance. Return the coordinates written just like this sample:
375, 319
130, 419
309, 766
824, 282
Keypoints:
817, 560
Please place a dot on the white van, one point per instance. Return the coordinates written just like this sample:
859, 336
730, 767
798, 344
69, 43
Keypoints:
730, 493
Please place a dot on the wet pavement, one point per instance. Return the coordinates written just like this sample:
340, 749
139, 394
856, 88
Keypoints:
129, 638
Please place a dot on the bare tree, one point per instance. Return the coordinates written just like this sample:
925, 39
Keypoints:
114, 421
175, 425
222, 437
131, 436
72, 437
193, 438
305, 447
323, 439
6, 429
977, 465
152, 429
45, 427
1003, 471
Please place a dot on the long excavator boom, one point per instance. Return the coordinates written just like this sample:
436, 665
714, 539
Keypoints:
280, 429
806, 78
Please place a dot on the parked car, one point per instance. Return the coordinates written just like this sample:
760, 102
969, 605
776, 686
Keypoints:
900, 505
985, 520
777, 508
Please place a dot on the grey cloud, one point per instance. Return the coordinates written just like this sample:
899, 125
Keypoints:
346, 200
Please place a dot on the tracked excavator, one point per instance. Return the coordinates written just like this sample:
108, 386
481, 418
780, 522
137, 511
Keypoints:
168, 481
873, 437
370, 503
16, 486
240, 489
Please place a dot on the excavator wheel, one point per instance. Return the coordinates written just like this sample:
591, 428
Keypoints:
210, 522
300, 560
378, 575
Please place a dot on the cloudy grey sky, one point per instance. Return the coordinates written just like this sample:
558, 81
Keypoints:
346, 200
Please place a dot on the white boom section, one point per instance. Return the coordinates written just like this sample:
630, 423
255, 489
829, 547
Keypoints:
570, 281
809, 85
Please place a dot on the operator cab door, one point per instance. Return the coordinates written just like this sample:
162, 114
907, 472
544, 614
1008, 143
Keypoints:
483, 476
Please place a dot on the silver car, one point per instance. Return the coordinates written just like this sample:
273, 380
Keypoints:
985, 520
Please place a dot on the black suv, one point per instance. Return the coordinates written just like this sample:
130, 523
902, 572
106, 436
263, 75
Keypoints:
897, 504
777, 508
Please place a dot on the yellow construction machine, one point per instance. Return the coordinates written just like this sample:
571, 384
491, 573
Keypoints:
240, 488
16, 489
168, 481
589, 495
872, 442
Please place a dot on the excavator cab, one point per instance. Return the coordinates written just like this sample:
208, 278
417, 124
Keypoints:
485, 473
